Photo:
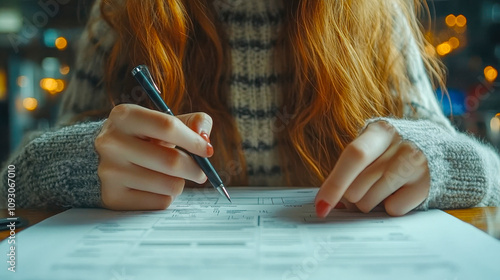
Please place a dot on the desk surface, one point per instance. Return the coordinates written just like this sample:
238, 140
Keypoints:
475, 216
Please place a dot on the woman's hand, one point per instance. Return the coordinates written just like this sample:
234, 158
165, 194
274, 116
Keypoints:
139, 167
377, 167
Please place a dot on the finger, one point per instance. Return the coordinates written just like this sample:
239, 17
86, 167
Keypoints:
373, 142
130, 199
198, 122
143, 179
369, 176
399, 172
141, 122
168, 161
408, 197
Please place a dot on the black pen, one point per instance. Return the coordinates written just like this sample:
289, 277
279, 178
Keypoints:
142, 75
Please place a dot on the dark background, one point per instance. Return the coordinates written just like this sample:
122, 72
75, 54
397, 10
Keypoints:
33, 69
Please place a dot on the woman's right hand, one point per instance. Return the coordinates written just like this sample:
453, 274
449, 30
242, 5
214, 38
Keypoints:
139, 167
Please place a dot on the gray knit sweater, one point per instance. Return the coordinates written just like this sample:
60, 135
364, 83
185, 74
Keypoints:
58, 168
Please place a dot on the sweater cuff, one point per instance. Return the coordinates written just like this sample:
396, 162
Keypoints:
61, 168
457, 179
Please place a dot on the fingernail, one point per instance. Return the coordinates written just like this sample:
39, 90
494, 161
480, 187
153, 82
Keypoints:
323, 208
204, 135
210, 149
339, 205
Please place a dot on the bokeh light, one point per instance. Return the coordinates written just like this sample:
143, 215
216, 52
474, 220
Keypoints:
52, 85
490, 74
30, 103
64, 70
451, 20
443, 49
3, 84
61, 43
461, 21
22, 81
454, 42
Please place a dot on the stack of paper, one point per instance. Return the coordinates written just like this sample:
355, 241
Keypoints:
264, 234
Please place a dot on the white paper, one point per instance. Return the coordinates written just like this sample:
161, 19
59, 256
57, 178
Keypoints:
266, 233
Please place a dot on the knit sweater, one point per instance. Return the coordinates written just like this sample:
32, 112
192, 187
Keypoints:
58, 168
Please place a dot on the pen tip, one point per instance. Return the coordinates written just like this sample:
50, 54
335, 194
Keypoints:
227, 195
223, 191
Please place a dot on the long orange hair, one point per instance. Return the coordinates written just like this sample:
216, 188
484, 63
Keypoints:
339, 61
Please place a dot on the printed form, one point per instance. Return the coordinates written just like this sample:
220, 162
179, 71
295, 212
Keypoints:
266, 233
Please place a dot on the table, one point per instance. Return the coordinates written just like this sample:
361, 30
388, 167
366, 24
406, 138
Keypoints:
477, 217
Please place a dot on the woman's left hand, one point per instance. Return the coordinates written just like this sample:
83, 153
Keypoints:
377, 167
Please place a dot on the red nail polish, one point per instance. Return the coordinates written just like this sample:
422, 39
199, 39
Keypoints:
323, 208
204, 135
339, 205
210, 149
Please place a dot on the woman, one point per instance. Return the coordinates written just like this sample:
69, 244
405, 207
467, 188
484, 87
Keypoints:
333, 94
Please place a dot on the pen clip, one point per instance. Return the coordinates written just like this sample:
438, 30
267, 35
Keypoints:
145, 70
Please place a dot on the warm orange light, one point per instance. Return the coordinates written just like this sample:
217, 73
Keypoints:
64, 70
48, 84
451, 20
490, 74
461, 21
443, 49
30, 103
61, 43
454, 42
51, 85
3, 84
60, 86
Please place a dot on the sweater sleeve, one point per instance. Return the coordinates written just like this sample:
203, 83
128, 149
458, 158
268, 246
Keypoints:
58, 168
463, 171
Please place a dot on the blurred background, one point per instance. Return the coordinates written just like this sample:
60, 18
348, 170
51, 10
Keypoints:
38, 40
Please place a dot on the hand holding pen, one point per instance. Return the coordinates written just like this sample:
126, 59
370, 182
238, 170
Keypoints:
142, 75
139, 167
